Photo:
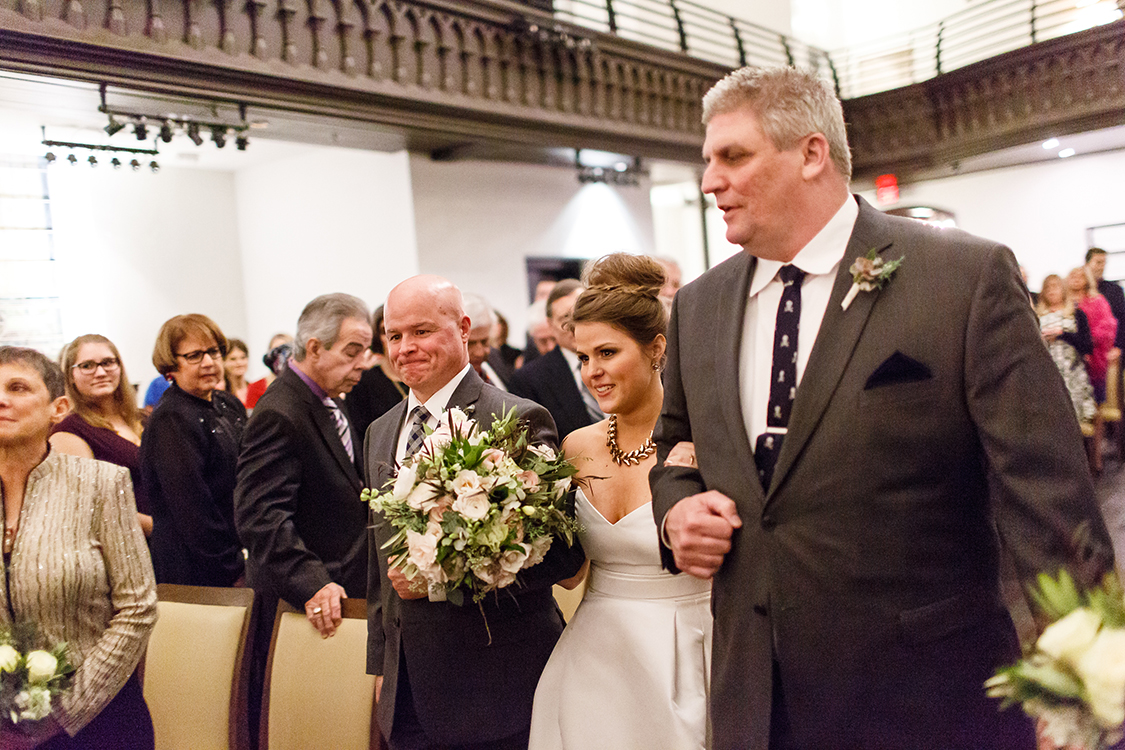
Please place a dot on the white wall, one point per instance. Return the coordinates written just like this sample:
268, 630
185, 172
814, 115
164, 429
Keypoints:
1041, 210
135, 248
476, 222
836, 24
321, 220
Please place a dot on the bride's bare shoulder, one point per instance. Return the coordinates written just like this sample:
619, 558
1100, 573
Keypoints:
585, 441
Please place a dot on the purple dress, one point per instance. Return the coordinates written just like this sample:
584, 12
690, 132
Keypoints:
110, 447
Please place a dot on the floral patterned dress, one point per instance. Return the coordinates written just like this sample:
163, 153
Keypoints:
1067, 350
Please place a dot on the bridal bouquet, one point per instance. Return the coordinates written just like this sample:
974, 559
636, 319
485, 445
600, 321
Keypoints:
472, 508
1073, 680
30, 678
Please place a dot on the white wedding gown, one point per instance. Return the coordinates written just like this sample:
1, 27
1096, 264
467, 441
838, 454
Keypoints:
632, 667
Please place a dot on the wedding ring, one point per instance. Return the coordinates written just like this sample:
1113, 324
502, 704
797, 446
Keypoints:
317, 610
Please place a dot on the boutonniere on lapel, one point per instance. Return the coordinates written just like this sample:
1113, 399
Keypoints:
869, 273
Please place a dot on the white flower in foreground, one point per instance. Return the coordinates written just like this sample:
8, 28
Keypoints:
1102, 669
459, 420
34, 703
436, 441
1068, 638
41, 667
529, 479
467, 482
492, 458
543, 451
422, 552
474, 507
538, 550
512, 560
423, 497
404, 482
9, 658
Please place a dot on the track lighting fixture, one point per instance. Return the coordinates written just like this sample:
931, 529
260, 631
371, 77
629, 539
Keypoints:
50, 158
242, 141
72, 159
114, 126
93, 160
166, 132
219, 136
115, 163
154, 167
136, 165
193, 133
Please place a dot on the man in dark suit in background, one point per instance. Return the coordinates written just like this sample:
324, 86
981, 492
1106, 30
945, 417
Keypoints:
553, 380
297, 504
1111, 290
845, 445
444, 678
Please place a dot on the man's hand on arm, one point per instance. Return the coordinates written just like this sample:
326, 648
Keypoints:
324, 610
699, 529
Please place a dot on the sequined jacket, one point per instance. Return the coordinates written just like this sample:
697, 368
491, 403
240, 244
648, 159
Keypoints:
81, 572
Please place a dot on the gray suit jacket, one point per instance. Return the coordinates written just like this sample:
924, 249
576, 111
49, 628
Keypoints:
930, 416
465, 689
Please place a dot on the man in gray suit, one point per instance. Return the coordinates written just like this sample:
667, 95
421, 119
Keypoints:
856, 454
445, 678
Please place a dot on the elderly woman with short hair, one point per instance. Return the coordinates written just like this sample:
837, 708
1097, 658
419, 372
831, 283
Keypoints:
76, 568
188, 458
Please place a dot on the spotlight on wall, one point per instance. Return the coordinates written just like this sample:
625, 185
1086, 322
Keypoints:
193, 133
93, 160
242, 141
140, 130
72, 159
154, 167
166, 132
136, 165
50, 158
219, 136
114, 126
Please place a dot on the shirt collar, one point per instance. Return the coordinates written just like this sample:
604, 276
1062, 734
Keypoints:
570, 357
316, 389
438, 402
823, 253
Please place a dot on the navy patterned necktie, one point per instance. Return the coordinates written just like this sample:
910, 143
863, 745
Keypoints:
419, 418
783, 377
343, 429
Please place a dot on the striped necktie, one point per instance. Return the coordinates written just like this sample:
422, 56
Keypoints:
419, 418
343, 429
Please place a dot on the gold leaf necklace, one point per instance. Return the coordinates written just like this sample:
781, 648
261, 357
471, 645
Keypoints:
634, 456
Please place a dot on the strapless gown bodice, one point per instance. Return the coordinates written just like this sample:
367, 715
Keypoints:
631, 669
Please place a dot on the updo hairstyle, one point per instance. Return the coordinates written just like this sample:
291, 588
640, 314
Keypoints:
623, 291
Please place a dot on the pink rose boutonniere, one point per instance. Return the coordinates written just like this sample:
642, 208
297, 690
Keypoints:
869, 273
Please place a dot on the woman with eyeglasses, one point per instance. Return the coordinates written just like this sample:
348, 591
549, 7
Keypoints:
104, 422
188, 458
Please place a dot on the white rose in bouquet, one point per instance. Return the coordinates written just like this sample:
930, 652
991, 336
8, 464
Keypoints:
1068, 638
492, 458
423, 497
41, 667
538, 550
9, 658
467, 482
543, 451
1102, 669
32, 704
512, 560
474, 507
404, 482
438, 440
422, 553
459, 420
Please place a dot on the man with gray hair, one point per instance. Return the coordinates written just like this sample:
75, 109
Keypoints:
482, 320
300, 473
866, 404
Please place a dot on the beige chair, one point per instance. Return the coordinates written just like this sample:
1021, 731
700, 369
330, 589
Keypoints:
317, 692
197, 668
1110, 411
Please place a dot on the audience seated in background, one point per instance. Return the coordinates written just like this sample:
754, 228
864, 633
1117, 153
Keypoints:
1103, 330
235, 365
1067, 334
104, 422
188, 458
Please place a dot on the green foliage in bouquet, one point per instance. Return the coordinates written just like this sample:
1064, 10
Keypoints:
473, 508
30, 676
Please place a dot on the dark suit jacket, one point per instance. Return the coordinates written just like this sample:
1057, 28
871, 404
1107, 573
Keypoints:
868, 571
465, 689
1115, 296
548, 381
297, 500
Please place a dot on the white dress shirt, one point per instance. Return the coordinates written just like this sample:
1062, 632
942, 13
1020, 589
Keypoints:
820, 260
436, 404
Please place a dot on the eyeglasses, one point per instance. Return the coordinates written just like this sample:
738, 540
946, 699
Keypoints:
196, 357
89, 367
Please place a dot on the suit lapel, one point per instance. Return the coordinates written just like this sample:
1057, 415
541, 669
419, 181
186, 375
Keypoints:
466, 395
835, 343
728, 383
326, 426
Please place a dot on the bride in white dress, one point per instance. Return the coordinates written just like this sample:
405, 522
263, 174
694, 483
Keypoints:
632, 667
